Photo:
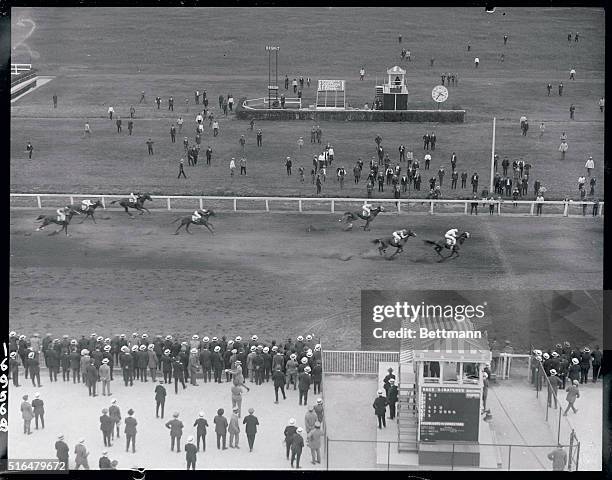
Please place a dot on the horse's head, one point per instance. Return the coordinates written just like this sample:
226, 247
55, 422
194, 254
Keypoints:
465, 235
379, 209
146, 196
410, 233
211, 212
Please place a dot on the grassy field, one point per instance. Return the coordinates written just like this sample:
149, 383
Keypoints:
128, 275
99, 59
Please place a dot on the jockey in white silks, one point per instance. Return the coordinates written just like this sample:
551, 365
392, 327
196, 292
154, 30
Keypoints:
399, 235
451, 237
133, 198
367, 207
85, 204
196, 217
61, 213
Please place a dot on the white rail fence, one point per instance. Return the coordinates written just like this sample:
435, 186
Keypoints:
355, 362
20, 67
314, 204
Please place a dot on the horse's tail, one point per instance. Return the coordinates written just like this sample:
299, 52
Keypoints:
176, 219
430, 242
376, 241
40, 217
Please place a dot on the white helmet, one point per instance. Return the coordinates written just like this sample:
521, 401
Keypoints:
308, 337
254, 337
195, 337
217, 348
206, 339
135, 348
84, 352
194, 350
300, 338
304, 360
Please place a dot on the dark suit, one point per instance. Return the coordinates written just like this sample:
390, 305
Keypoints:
176, 431
130, 433
221, 430
106, 425
191, 452
62, 452
251, 423
304, 381
380, 409
160, 400
201, 425
392, 394
91, 375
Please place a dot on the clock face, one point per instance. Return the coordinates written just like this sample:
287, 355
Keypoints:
439, 93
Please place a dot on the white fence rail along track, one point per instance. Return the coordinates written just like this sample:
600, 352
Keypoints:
311, 204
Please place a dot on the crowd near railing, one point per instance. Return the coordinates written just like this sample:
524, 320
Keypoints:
320, 204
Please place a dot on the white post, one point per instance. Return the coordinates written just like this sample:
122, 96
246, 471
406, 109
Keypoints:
492, 158
465, 209
566, 209
201, 203
103, 203
333, 206
38, 200
300, 205
532, 205
71, 200
267, 206
168, 202
431, 208
499, 207
235, 204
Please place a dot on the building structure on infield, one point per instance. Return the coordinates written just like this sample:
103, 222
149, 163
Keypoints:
392, 95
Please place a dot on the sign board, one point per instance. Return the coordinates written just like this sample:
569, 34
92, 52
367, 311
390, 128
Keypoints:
331, 85
449, 414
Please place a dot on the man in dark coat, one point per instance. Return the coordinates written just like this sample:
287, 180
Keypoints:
166, 362
201, 423
297, 444
91, 376
160, 398
380, 409
104, 463
278, 377
206, 364
191, 453
33, 367
221, 428
176, 432
179, 374
14, 368
62, 451
392, 394
388, 377
107, 425
304, 381
130, 431
53, 363
38, 408
251, 423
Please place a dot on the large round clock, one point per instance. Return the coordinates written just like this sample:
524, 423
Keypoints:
439, 93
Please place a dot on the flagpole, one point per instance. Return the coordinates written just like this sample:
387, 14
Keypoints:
492, 159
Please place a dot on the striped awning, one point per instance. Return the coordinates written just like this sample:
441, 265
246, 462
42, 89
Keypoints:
449, 349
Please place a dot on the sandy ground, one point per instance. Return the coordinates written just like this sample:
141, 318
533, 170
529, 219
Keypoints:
267, 274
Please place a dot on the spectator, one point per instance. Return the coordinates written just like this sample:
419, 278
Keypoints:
380, 409
314, 442
589, 165
297, 444
539, 203
573, 393
221, 425
558, 458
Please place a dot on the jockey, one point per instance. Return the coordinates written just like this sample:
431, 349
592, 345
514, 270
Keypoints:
61, 213
451, 237
85, 204
133, 198
400, 234
197, 216
366, 209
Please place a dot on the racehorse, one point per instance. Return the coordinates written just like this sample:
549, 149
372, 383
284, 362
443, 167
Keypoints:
89, 212
48, 219
138, 205
186, 221
442, 244
349, 217
390, 241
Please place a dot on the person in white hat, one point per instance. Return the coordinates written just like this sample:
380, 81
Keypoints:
250, 373
160, 398
193, 365
104, 462
314, 442
380, 409
216, 361
289, 432
33, 367
81, 455
201, 424
14, 369
574, 370
297, 444
62, 451
304, 381
191, 453
166, 363
291, 371
27, 414
104, 372
234, 427
573, 393
38, 408
318, 409
555, 383
392, 397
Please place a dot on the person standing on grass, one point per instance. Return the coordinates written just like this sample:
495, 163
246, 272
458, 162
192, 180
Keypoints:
232, 166
111, 110
130, 126
208, 155
54, 100
243, 163
561, 89
160, 398
30, 149
173, 133
572, 109
573, 392
542, 128
589, 165
215, 127
288, 165
572, 75
549, 88
179, 122
539, 203
201, 424
259, 137
118, 122
318, 184
142, 98
150, 143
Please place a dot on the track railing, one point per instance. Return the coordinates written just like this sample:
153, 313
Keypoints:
398, 205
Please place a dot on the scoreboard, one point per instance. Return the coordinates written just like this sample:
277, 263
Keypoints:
449, 414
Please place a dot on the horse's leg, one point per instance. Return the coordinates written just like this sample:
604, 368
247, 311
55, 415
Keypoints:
178, 228
210, 229
93, 218
187, 229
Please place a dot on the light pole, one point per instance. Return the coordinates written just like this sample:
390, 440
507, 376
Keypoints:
270, 49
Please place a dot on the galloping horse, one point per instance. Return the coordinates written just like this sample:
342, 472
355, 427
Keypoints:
186, 221
138, 205
442, 244
48, 219
89, 212
349, 217
390, 241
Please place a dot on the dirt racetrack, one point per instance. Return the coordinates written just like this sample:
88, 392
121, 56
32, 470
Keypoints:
271, 274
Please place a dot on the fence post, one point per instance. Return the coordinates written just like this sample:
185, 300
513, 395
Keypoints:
103, 203
333, 206
388, 455
326, 452
267, 206
235, 200
168, 203
38, 200
566, 210
71, 200
453, 458
354, 363
465, 209
399, 209
499, 208
509, 455
201, 203
559, 425
431, 208
532, 206
601, 207
300, 205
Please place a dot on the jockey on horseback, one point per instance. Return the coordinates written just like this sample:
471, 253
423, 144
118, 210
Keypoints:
61, 213
399, 235
133, 198
197, 216
366, 209
451, 237
85, 204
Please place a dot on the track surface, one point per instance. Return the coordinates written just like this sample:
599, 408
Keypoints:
269, 274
